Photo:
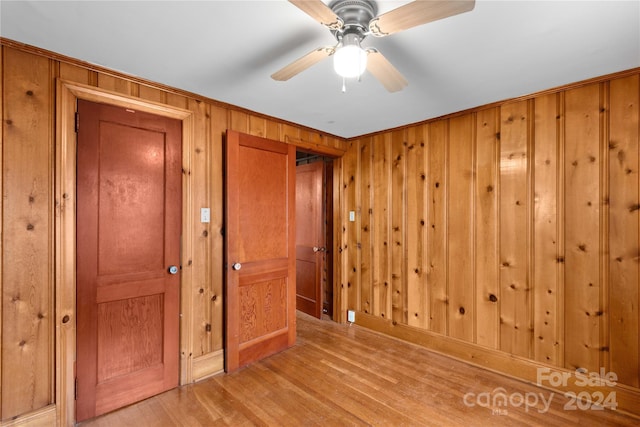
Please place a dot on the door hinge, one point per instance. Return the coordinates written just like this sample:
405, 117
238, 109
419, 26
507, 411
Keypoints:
77, 121
75, 390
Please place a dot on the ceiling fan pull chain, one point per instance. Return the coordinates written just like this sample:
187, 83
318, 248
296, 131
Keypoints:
344, 84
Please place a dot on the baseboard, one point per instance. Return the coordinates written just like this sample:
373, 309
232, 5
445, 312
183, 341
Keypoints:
208, 365
45, 417
626, 399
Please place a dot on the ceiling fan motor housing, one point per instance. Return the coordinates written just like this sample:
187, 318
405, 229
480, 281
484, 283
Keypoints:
356, 15
350, 21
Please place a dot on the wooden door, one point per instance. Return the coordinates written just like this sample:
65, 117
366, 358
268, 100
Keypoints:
128, 236
310, 242
259, 248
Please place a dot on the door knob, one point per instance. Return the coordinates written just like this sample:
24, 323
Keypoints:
236, 266
319, 249
173, 269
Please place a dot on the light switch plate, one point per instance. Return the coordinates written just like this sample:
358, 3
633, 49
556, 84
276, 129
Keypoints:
352, 216
205, 215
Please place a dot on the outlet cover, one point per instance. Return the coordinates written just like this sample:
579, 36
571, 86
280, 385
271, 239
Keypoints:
205, 215
351, 316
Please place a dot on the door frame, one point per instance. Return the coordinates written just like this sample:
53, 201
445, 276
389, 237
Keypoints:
67, 94
322, 233
333, 234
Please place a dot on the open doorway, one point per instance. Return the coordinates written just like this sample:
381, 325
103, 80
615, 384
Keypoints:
314, 234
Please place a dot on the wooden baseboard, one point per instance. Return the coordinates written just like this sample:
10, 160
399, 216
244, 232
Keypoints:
45, 417
573, 384
208, 365
203, 367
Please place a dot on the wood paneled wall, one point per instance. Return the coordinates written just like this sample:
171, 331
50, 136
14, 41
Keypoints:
28, 84
513, 228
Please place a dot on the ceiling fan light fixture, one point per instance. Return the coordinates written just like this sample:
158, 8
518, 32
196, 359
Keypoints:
351, 21
350, 60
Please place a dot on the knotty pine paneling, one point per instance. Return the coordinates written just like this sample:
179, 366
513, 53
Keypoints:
624, 218
519, 224
218, 123
201, 160
398, 227
76, 74
27, 238
436, 277
515, 287
596, 119
582, 228
27, 283
460, 230
350, 231
487, 249
547, 256
366, 215
381, 202
416, 254
114, 84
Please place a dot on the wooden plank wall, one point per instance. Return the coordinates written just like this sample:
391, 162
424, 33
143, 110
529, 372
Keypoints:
27, 182
513, 227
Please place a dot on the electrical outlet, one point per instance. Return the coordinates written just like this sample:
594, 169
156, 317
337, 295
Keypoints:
351, 316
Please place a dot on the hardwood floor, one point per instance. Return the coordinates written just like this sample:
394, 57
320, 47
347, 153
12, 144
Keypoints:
347, 375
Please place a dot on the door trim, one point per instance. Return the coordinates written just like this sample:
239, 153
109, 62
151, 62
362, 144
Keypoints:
321, 236
67, 94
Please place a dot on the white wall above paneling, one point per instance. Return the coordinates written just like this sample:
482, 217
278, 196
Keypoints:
227, 50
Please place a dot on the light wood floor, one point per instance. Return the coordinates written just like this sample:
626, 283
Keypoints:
347, 375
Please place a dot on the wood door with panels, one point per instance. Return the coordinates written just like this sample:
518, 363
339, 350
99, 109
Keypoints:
260, 283
310, 237
129, 203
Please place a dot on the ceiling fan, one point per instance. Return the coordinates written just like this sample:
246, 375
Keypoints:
350, 21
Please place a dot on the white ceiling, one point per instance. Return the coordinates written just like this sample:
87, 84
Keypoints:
227, 50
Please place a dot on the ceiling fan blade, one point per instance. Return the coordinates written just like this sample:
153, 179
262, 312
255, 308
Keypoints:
301, 64
417, 13
320, 12
386, 73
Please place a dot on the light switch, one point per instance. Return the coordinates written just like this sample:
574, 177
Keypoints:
352, 216
205, 215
